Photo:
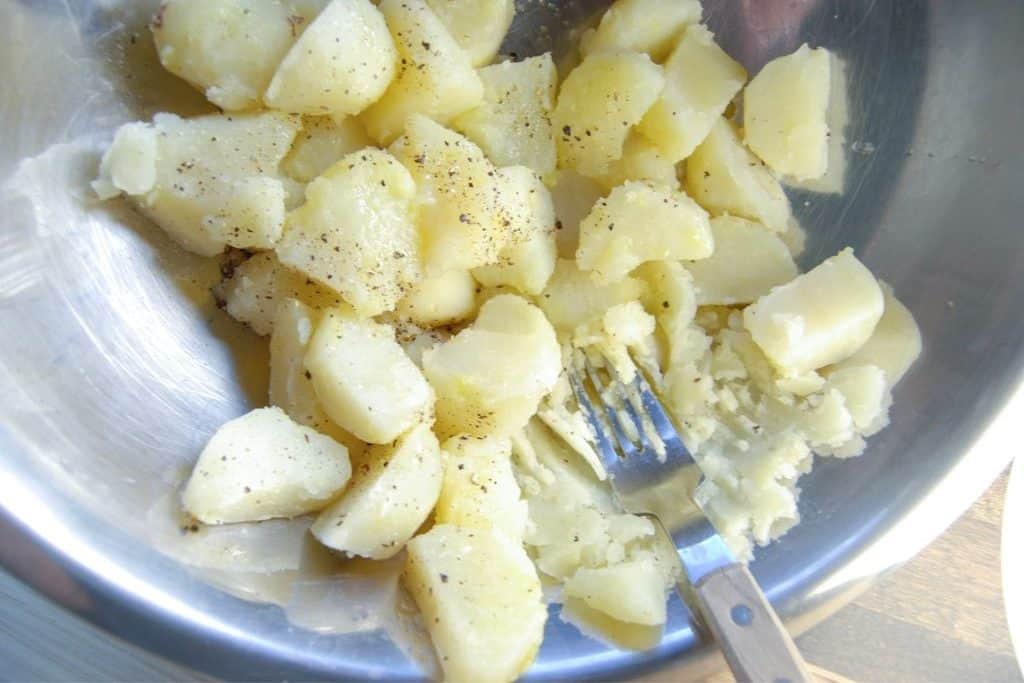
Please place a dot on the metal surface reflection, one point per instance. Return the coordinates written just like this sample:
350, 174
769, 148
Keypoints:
114, 366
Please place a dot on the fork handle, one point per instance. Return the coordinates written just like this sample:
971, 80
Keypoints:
755, 643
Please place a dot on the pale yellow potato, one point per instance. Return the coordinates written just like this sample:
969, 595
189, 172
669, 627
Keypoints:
264, 465
364, 380
724, 177
599, 102
435, 76
478, 26
700, 82
342, 63
291, 387
638, 223
631, 591
641, 160
261, 284
209, 182
865, 391
650, 26
894, 345
748, 261
481, 601
480, 490
513, 123
785, 111
459, 219
573, 196
356, 233
437, 300
821, 317
229, 49
490, 377
393, 489
322, 142
527, 261
571, 297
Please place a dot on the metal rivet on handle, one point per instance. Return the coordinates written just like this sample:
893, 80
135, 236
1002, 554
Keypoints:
741, 615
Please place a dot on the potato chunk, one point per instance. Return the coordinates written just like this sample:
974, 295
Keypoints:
724, 177
641, 160
340, 65
639, 223
440, 300
229, 49
210, 181
819, 318
649, 26
264, 465
893, 346
389, 497
573, 196
700, 81
748, 261
322, 142
633, 591
480, 489
364, 380
571, 298
357, 233
481, 601
600, 100
528, 260
459, 213
435, 77
478, 26
480, 395
784, 113
513, 123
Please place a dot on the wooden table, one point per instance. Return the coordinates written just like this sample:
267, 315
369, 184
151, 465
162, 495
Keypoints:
939, 618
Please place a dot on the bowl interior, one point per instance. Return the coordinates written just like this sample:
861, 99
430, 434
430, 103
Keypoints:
115, 366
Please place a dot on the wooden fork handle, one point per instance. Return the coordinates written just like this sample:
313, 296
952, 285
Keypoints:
753, 640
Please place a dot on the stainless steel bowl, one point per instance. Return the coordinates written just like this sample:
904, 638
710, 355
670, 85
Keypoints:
111, 376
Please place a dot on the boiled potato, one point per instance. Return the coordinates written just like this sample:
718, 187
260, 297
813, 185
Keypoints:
258, 287
724, 177
784, 113
435, 76
700, 82
322, 142
748, 261
342, 63
364, 380
480, 490
481, 397
573, 196
527, 261
641, 160
391, 493
440, 299
894, 345
638, 223
481, 601
513, 123
357, 233
459, 213
229, 49
649, 26
209, 181
478, 26
821, 317
866, 394
264, 465
629, 591
600, 100
571, 297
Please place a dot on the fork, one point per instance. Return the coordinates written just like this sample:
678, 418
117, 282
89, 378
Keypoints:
652, 473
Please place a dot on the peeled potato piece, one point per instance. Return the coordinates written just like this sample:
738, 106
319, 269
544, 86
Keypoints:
264, 465
322, 142
478, 26
440, 299
571, 297
342, 63
821, 317
894, 345
648, 26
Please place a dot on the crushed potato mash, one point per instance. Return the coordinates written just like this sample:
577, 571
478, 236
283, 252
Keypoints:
428, 236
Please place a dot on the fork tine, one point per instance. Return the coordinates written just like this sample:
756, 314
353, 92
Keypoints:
626, 446
659, 418
604, 446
